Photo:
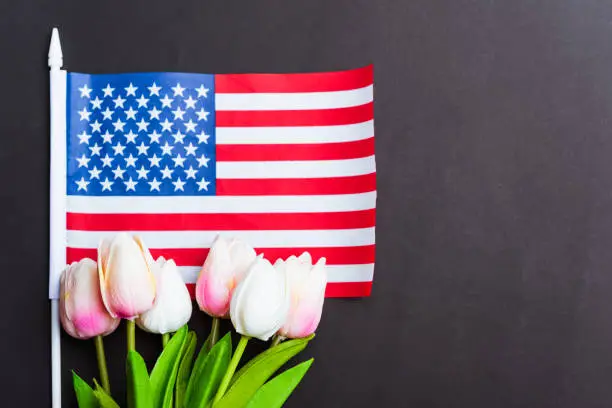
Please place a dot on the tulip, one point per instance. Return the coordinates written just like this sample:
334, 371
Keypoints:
126, 281
172, 307
224, 268
82, 311
261, 301
307, 285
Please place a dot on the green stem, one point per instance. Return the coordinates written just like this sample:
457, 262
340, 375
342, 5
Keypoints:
165, 339
277, 340
231, 368
214, 331
102, 364
131, 335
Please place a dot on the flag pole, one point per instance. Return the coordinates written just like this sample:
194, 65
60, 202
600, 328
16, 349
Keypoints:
57, 223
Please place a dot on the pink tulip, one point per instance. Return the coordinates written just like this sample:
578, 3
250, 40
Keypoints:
307, 284
224, 268
82, 311
126, 281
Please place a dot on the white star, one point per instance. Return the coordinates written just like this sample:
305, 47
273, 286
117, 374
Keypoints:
154, 184
142, 101
106, 161
85, 91
142, 173
142, 149
178, 184
106, 184
191, 125
118, 124
202, 114
190, 102
131, 137
83, 161
82, 184
154, 160
178, 89
203, 137
202, 91
119, 101
130, 161
166, 125
167, 149
131, 90
94, 173
166, 173
130, 113
118, 148
95, 149
130, 185
107, 137
203, 184
108, 114
84, 138
178, 113
154, 113
108, 91
142, 125
178, 160
95, 127
191, 172
166, 101
178, 137
118, 172
96, 103
203, 161
154, 89
84, 114
190, 150
154, 137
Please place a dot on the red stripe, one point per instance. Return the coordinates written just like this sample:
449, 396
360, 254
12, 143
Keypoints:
333, 290
195, 256
313, 151
314, 82
294, 186
314, 117
221, 222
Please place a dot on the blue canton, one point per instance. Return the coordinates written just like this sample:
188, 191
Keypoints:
150, 134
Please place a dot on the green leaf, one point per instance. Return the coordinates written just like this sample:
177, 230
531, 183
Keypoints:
198, 365
84, 393
164, 373
104, 400
207, 374
184, 371
275, 392
256, 372
139, 387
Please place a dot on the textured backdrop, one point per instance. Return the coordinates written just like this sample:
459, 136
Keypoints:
493, 285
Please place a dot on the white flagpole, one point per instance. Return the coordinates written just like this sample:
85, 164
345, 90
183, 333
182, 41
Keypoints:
57, 220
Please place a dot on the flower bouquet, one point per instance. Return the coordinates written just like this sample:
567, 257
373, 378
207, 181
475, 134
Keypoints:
282, 302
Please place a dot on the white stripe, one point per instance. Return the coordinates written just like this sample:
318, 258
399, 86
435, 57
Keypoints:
221, 204
296, 169
258, 239
335, 273
293, 100
294, 134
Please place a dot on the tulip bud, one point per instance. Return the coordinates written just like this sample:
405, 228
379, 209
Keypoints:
224, 268
307, 285
172, 308
260, 302
126, 281
82, 311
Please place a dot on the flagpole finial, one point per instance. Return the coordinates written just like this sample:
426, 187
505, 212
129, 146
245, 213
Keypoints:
56, 59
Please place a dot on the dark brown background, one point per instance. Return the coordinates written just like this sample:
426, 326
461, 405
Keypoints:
494, 138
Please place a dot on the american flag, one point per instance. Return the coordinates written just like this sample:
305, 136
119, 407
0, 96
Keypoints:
283, 161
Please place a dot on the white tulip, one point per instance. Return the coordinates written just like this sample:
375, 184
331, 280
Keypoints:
172, 307
260, 303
